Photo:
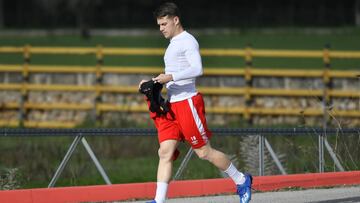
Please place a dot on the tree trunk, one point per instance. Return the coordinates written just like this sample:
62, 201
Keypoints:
357, 12
1, 14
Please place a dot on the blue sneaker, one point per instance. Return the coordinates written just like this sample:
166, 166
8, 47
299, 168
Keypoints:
244, 190
152, 201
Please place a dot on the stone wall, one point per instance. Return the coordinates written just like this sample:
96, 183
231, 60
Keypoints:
130, 118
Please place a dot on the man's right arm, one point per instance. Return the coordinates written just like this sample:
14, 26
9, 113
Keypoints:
192, 55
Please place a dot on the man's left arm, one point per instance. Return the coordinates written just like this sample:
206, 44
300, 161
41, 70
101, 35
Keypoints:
193, 57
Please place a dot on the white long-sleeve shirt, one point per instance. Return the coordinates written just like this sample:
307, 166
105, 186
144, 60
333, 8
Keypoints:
182, 60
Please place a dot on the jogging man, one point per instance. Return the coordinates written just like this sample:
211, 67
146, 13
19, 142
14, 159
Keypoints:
186, 117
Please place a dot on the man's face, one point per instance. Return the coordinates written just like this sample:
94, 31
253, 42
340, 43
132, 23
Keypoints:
167, 26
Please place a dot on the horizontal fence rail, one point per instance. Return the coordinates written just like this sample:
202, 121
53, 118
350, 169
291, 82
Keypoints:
204, 52
204, 90
8, 132
248, 91
216, 71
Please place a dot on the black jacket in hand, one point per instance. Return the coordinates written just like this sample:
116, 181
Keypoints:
152, 91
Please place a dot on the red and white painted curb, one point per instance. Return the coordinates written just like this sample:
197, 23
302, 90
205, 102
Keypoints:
184, 188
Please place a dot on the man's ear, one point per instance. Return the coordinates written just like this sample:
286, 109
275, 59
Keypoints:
176, 20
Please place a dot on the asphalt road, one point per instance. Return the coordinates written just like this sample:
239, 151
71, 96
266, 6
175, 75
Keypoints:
329, 195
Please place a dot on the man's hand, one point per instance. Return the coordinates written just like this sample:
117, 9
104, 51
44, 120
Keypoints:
141, 82
163, 78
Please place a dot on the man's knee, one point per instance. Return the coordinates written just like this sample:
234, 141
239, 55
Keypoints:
167, 149
203, 155
204, 152
165, 153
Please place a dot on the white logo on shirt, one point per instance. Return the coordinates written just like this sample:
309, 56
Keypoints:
194, 141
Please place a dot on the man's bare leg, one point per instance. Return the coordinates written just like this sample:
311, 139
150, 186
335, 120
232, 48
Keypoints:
221, 161
165, 166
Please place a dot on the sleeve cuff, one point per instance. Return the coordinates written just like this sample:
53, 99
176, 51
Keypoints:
174, 77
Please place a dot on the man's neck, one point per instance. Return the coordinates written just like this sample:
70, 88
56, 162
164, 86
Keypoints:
178, 31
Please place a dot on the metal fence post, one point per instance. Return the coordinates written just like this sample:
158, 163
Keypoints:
25, 82
261, 155
274, 157
333, 156
98, 84
183, 164
96, 161
326, 86
358, 76
325, 104
65, 160
248, 83
79, 138
321, 152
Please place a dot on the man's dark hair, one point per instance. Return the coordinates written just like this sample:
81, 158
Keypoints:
167, 9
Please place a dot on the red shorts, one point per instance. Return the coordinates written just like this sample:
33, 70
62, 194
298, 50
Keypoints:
185, 121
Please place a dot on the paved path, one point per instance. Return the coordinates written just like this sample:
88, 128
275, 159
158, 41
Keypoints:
331, 195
